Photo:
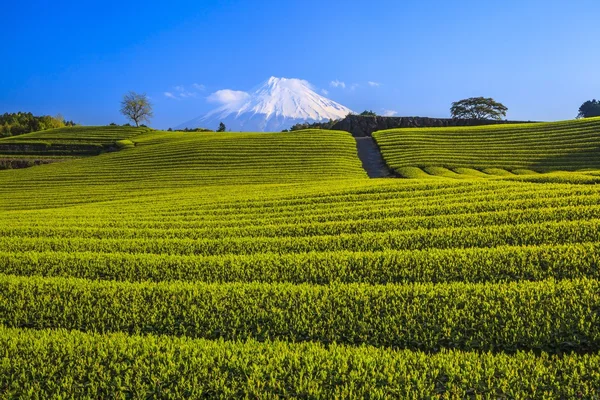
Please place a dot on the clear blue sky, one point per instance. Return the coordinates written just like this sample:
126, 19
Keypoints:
540, 58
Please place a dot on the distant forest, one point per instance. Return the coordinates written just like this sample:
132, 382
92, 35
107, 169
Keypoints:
13, 124
190, 130
315, 125
324, 125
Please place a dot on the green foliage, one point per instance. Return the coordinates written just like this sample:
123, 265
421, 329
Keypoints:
221, 127
124, 144
315, 125
20, 123
66, 143
189, 130
79, 135
176, 159
503, 263
264, 265
492, 150
589, 109
478, 108
368, 113
562, 232
560, 316
62, 364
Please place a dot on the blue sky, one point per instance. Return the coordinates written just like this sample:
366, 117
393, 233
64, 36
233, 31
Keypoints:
540, 58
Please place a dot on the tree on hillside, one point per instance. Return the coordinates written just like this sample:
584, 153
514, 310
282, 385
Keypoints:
21, 122
136, 107
590, 108
49, 122
315, 125
221, 128
478, 108
368, 113
192, 130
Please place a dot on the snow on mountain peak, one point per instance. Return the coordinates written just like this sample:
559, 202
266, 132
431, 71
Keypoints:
277, 104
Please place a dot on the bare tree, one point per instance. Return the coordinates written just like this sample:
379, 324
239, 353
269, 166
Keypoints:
136, 107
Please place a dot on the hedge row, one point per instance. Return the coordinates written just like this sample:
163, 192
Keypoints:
553, 316
62, 364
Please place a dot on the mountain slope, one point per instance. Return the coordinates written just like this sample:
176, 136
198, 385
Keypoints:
277, 104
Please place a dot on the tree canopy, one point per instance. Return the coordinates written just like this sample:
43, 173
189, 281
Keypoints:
478, 108
368, 113
315, 125
136, 107
590, 108
19, 123
190, 130
221, 127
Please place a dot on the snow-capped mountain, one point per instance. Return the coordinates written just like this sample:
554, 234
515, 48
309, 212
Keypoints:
277, 104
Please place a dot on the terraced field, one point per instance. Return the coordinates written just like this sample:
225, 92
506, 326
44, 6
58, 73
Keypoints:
56, 145
167, 160
493, 150
78, 134
233, 265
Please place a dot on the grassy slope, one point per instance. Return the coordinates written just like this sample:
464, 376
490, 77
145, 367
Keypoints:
166, 160
494, 150
78, 135
282, 237
63, 144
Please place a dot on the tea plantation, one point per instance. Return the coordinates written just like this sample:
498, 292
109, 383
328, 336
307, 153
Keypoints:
492, 150
269, 265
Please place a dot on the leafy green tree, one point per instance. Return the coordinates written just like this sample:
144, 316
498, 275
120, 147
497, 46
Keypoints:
315, 125
5, 130
136, 107
12, 124
48, 122
368, 113
589, 109
478, 108
221, 127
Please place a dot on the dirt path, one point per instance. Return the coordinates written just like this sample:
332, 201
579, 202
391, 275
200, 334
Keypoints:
371, 158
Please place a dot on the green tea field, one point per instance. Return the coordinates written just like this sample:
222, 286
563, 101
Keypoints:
265, 265
500, 150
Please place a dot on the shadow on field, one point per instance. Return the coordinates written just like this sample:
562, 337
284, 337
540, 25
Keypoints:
573, 161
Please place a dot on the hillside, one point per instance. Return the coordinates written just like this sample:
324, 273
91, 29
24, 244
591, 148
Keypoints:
54, 145
162, 160
78, 135
249, 265
497, 150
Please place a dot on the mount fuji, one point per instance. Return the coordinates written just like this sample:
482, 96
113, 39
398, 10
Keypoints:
277, 104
